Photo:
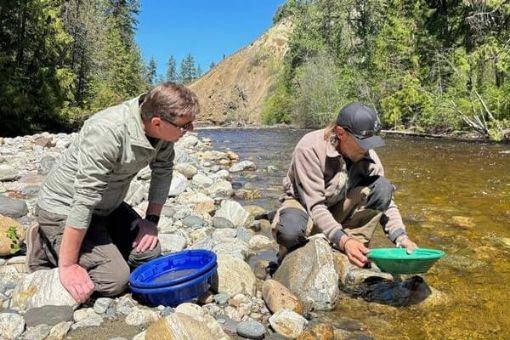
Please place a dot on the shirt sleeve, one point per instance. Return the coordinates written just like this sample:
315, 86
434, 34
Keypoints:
312, 193
98, 150
161, 178
391, 219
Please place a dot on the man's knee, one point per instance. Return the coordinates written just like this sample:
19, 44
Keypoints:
113, 281
291, 228
137, 258
381, 193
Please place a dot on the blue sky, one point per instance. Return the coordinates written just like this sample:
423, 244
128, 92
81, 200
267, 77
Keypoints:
208, 29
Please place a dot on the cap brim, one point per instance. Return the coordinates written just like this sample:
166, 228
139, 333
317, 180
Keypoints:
370, 142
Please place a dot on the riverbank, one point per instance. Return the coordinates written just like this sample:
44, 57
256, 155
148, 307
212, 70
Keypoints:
199, 214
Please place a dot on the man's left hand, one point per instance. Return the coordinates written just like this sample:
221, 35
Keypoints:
147, 237
405, 242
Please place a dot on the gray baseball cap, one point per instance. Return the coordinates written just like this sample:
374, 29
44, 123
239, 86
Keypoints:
362, 122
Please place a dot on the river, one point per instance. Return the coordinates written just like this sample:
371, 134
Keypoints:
453, 196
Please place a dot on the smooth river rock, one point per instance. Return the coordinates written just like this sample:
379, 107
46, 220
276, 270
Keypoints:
234, 212
234, 276
309, 272
278, 297
39, 289
288, 323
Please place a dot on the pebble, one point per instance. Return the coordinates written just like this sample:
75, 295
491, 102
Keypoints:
251, 329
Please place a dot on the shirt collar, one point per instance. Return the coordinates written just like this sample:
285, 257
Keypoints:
135, 124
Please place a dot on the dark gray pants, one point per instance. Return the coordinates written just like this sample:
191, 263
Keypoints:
359, 213
106, 251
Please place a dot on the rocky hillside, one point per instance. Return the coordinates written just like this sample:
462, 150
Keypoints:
235, 89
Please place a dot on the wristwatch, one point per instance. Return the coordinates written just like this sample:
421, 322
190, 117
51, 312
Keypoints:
152, 218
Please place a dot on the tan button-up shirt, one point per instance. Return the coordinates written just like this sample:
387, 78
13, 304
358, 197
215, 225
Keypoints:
318, 178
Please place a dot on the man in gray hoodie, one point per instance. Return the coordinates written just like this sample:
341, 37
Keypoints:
335, 186
85, 229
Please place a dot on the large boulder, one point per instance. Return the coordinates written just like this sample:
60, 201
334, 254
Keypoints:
234, 276
39, 289
309, 272
12, 235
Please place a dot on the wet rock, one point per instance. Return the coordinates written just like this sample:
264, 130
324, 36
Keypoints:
221, 222
188, 170
48, 315
234, 276
12, 235
463, 221
11, 325
172, 242
39, 332
60, 330
201, 203
244, 194
140, 317
220, 188
243, 166
222, 174
278, 297
178, 185
413, 290
233, 212
39, 289
309, 272
462, 263
288, 323
194, 221
251, 329
12, 207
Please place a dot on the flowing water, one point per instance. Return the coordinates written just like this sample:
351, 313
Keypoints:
453, 196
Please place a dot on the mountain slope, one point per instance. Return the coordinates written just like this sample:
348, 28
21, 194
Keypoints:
235, 89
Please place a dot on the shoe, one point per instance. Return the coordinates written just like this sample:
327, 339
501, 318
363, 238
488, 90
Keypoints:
36, 258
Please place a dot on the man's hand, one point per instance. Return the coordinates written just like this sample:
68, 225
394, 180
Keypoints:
355, 250
76, 281
404, 242
147, 237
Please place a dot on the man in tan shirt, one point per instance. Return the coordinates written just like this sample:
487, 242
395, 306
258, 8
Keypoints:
336, 186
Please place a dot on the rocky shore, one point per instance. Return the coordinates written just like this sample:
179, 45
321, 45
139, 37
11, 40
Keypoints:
247, 301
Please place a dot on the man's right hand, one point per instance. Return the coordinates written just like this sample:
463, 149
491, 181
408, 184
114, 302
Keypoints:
355, 250
77, 281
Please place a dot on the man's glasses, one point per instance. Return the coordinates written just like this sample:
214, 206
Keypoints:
186, 127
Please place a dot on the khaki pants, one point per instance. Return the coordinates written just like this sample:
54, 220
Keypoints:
357, 221
106, 251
